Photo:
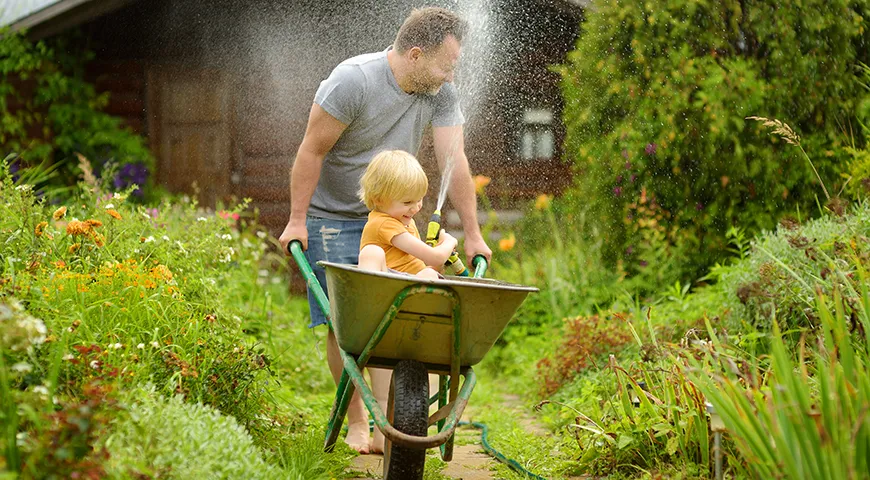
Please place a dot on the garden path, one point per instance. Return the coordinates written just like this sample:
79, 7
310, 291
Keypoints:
470, 461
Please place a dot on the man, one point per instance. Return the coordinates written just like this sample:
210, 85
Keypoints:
370, 103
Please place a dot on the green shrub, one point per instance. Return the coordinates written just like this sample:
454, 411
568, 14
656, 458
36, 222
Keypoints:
172, 439
51, 114
656, 95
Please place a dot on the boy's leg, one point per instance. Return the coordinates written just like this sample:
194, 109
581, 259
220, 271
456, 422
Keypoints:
372, 257
428, 273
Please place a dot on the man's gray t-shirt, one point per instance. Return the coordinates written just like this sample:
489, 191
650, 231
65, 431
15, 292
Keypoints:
362, 93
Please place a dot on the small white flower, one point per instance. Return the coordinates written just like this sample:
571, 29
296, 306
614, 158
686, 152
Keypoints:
236, 350
23, 188
115, 346
261, 234
276, 280
263, 272
40, 389
68, 357
117, 196
94, 364
166, 238
22, 367
201, 219
226, 236
109, 205
149, 239
140, 346
155, 344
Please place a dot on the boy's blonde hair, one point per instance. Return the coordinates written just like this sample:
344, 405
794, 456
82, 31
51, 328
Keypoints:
392, 175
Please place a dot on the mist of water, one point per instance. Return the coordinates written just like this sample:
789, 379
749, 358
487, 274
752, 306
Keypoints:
476, 65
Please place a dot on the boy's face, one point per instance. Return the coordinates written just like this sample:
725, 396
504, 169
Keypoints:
402, 210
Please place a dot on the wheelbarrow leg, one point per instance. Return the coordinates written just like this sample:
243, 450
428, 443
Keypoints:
343, 394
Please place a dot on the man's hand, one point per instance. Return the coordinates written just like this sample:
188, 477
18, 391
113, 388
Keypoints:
295, 230
476, 246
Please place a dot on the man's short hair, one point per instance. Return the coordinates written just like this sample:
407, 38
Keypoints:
428, 27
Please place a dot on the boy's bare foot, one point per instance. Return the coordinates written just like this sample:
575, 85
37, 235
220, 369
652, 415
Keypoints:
358, 439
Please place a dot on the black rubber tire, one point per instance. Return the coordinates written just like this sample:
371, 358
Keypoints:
408, 412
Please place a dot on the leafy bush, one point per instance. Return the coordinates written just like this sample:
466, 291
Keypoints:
586, 342
173, 439
50, 114
656, 95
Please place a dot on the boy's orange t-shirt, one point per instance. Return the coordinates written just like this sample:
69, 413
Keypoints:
380, 230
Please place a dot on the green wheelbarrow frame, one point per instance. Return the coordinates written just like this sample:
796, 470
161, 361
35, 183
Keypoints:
450, 368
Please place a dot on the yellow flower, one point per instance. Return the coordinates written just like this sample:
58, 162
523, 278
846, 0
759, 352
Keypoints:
74, 247
114, 214
543, 201
59, 213
39, 228
507, 243
480, 182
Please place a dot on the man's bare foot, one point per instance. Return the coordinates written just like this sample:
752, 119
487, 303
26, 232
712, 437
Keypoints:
358, 439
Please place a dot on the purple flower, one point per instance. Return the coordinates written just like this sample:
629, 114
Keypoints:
632, 178
650, 149
130, 174
643, 263
627, 165
619, 179
625, 155
629, 250
699, 206
617, 191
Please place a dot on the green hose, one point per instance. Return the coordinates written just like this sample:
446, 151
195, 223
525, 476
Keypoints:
510, 462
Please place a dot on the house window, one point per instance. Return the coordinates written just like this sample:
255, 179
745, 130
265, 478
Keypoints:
536, 136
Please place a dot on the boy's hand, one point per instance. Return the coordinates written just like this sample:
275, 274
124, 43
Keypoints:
445, 237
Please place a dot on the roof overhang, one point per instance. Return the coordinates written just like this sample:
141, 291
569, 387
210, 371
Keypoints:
53, 17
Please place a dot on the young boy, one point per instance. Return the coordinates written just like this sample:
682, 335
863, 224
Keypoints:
393, 187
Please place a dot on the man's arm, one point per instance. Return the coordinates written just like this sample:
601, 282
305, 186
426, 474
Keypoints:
322, 132
449, 144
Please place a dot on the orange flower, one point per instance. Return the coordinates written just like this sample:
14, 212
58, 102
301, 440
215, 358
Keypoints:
114, 214
543, 201
75, 227
507, 243
39, 228
74, 247
93, 223
480, 182
59, 213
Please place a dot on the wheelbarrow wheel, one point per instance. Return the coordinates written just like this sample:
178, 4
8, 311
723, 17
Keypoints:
408, 412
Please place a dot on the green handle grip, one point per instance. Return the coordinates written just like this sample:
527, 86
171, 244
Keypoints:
480, 265
295, 249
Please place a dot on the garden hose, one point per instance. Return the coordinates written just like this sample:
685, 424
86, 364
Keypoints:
492, 452
510, 462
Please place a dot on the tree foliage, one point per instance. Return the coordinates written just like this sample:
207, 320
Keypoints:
50, 113
656, 97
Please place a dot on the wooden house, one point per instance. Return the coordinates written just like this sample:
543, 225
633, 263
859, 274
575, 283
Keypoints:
222, 88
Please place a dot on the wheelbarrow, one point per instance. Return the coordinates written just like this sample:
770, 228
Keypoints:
415, 327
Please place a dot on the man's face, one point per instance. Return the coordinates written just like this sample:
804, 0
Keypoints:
435, 67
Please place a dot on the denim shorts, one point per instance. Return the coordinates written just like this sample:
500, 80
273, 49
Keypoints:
335, 241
